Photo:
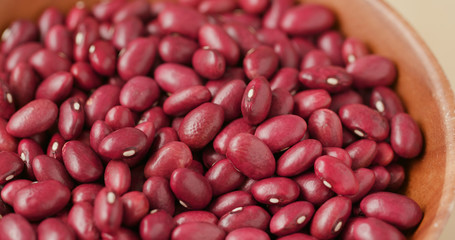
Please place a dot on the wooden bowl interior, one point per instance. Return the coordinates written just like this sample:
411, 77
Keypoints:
421, 84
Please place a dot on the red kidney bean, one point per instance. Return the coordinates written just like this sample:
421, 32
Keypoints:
243, 35
20, 31
366, 179
221, 142
85, 193
256, 101
21, 54
285, 78
345, 98
339, 153
56, 87
7, 142
260, 61
405, 137
137, 8
192, 189
99, 103
81, 161
196, 166
59, 39
16, 227
164, 136
229, 201
171, 156
85, 35
331, 78
84, 76
251, 156
223, 177
214, 7
229, 97
397, 176
107, 211
386, 102
253, 7
287, 54
8, 193
246, 19
48, 168
384, 154
198, 230
124, 143
157, 225
299, 158
282, 103
6, 101
103, 57
292, 128
383, 205
54, 148
71, 118
315, 58
137, 58
248, 216
382, 178
275, 191
371, 228
209, 63
148, 129
80, 219
75, 16
27, 150
195, 216
270, 37
48, 19
364, 121
325, 126
20, 76
106, 10
177, 49
307, 101
98, 132
353, 49
119, 117
185, 100
362, 153
11, 165
302, 46
126, 31
331, 43
130, 97
155, 115
47, 62
247, 233
372, 71
35, 117
330, 218
175, 18
307, 19
29, 200
229, 75
117, 177
216, 38
336, 175
291, 218
172, 77
201, 125
55, 229
273, 15
135, 207
159, 194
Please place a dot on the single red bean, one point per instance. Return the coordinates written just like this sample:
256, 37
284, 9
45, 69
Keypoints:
397, 176
364, 121
55, 229
119, 117
106, 10
172, 77
362, 153
382, 178
126, 31
159, 194
148, 129
85, 35
331, 43
275, 191
308, 101
248, 216
216, 38
54, 148
84, 76
7, 142
6, 101
247, 233
307, 19
246, 19
47, 62
336, 175
210, 156
185, 100
27, 150
291, 218
103, 57
20, 31
260, 61
372, 71
192, 189
171, 156
15, 227
177, 49
371, 228
384, 154
8, 193
353, 49
137, 58
325, 126
366, 178
48, 19
253, 7
229, 201
339, 153
75, 16
209, 63
287, 54
29, 200
124, 143
56, 87
59, 39
345, 98
198, 230
243, 35
80, 219
117, 177
71, 118
221, 142
135, 207
85, 193
285, 78
382, 205
11, 165
99, 103
195, 216
273, 15
251, 156
315, 58
299, 158
157, 225
48, 168
386, 102
137, 8
175, 18
21, 54
271, 36
223, 177
81, 162
282, 103
405, 137
20, 76
130, 97
157, 116
229, 97
256, 101
331, 217
331, 78
201, 125
107, 211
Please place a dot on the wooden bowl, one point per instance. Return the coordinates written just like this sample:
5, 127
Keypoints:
421, 84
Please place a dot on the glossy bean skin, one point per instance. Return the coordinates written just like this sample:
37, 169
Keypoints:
384, 154
126, 31
229, 97
223, 138
130, 97
48, 168
21, 75
137, 58
172, 77
386, 101
247, 233
302, 46
331, 78
99, 103
291, 218
85, 193
209, 63
242, 18
49, 18
171, 156
81, 161
157, 225
336, 175
198, 230
21, 54
19, 32
282, 103
185, 100
286, 78
229, 201
15, 227
248, 216
251, 156
27, 150
75, 16
11, 165
307, 101
54, 148
397, 176
47, 62
325, 126
98, 131
55, 229
275, 191
216, 38
29, 200
119, 117
223, 177
81, 220
84, 76
353, 49
124, 143
330, 218
177, 49
138, 8
362, 153
316, 18
260, 61
331, 43
287, 54
371, 228
345, 98
256, 101
107, 211
7, 141
366, 178
59, 39
71, 118
175, 18
195, 216
382, 178
372, 71
243, 35
405, 137
102, 56
86, 33
297, 236
155, 115
192, 189
270, 37
299, 158
164, 136
159, 194
8, 193
6, 101
273, 15
314, 58
117, 177
135, 207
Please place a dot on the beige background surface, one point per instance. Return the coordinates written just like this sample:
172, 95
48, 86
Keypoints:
435, 22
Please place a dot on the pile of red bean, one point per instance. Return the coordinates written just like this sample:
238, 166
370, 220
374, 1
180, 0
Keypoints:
202, 119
